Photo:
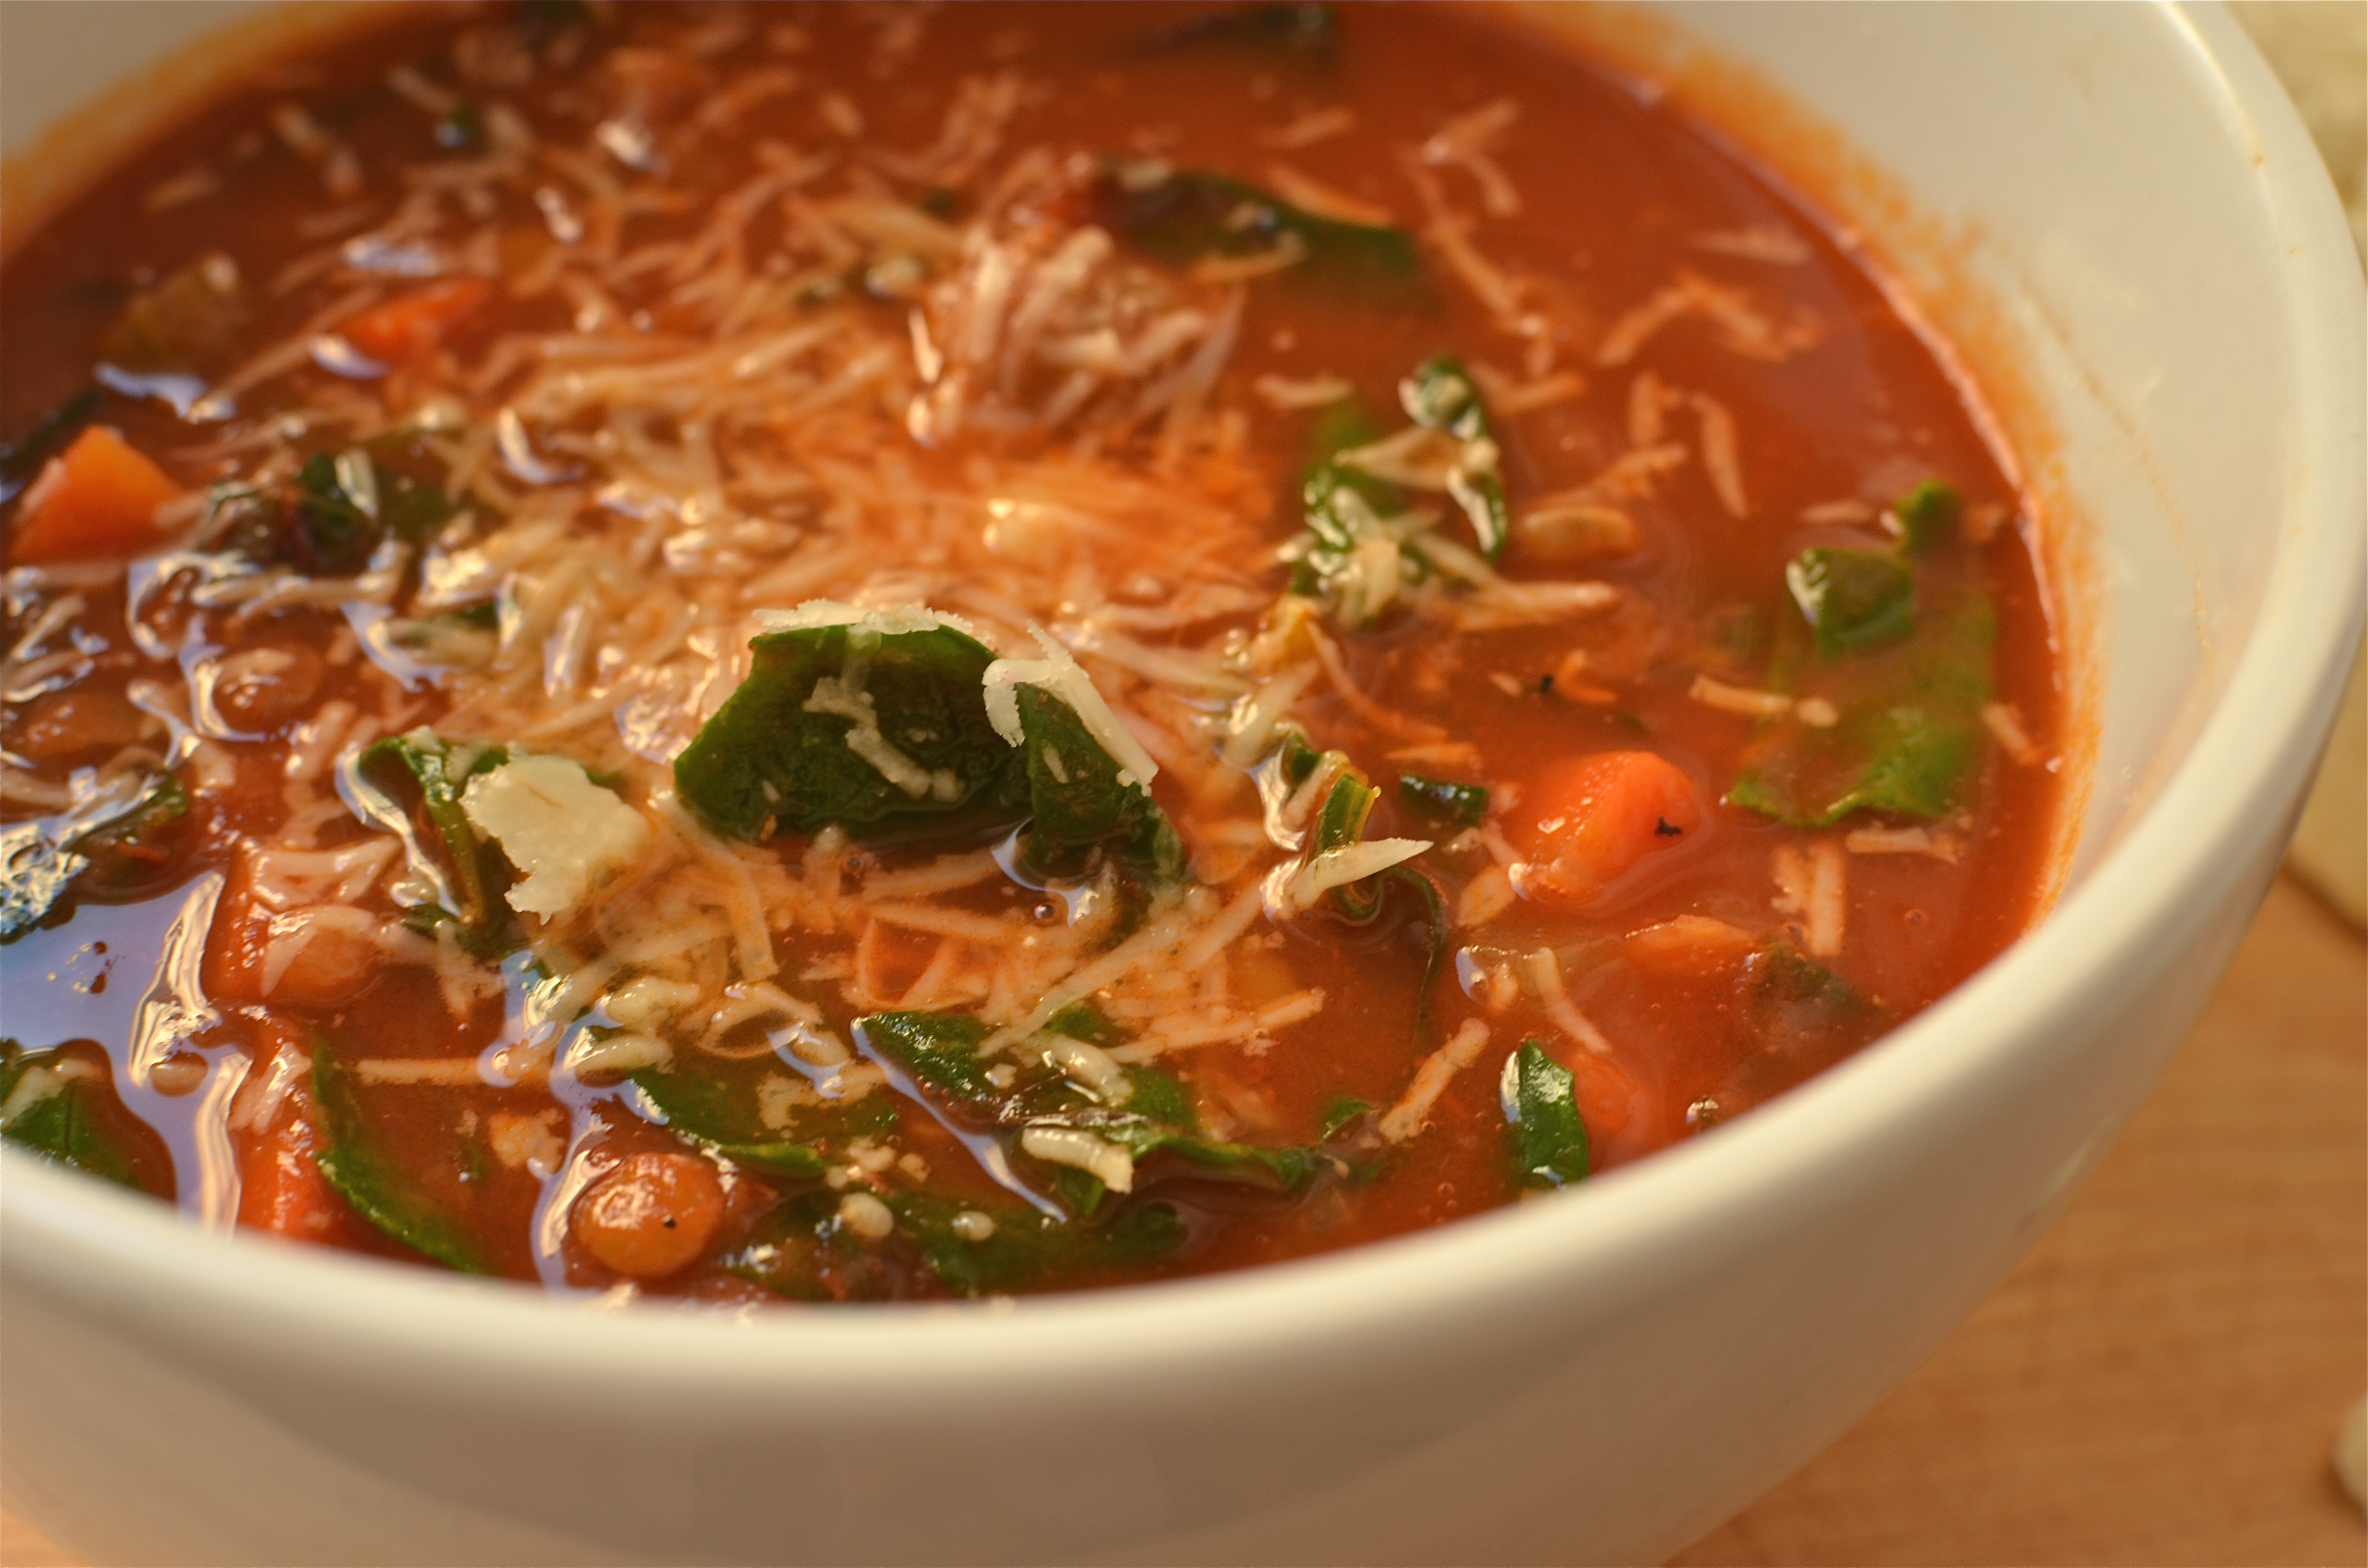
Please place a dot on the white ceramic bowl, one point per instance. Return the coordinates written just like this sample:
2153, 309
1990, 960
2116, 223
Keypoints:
2115, 215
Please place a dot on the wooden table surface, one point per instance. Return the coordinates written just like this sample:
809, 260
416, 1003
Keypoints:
2160, 1381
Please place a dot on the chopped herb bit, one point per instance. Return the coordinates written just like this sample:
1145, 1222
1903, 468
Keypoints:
1187, 216
1928, 514
1541, 1102
1342, 1114
1462, 805
1440, 396
1307, 31
1855, 598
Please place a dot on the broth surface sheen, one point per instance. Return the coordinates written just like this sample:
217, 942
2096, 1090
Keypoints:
855, 653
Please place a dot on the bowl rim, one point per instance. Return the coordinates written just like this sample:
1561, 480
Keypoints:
1641, 1228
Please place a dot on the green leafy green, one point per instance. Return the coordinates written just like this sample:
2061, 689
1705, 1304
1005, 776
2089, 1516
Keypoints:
1855, 599
1928, 514
782, 754
21, 459
341, 508
1540, 1100
106, 849
1910, 730
778, 754
1341, 1114
1780, 974
1028, 1249
1186, 216
1309, 33
939, 1052
1461, 805
1440, 396
461, 129
62, 1106
361, 1171
402, 777
1077, 803
708, 1113
1085, 1021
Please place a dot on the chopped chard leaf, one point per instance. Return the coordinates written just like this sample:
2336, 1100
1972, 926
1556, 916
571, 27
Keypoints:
1928, 514
115, 847
1310, 32
378, 1188
1908, 736
1541, 1102
1190, 216
61, 1105
1855, 599
1440, 396
1156, 1128
704, 1112
1461, 805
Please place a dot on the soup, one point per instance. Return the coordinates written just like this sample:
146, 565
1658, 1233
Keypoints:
864, 652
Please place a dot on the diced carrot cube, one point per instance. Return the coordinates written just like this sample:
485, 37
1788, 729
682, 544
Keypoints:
1594, 818
397, 328
97, 498
1606, 1096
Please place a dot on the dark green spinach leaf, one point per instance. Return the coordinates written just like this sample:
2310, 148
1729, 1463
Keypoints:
61, 1105
1928, 514
359, 1171
780, 754
1459, 805
1440, 396
938, 1051
1909, 731
1186, 216
1541, 1102
707, 1112
401, 778
1077, 803
1855, 599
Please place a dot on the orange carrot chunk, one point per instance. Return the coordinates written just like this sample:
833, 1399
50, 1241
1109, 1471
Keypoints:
1593, 819
99, 498
409, 323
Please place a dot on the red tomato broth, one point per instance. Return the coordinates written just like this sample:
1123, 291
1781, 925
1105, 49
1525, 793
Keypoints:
1863, 410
